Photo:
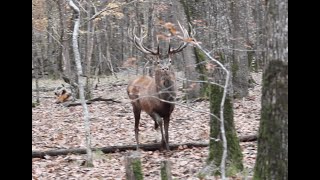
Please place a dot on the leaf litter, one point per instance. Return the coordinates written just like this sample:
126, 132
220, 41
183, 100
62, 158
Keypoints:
56, 127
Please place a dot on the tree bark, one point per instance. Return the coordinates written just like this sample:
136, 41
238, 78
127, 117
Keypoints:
189, 55
234, 154
240, 67
272, 157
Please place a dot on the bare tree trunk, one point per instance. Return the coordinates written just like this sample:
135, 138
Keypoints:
65, 55
260, 34
272, 157
240, 67
193, 68
40, 55
107, 58
35, 67
51, 47
90, 36
37, 81
227, 151
133, 166
76, 10
165, 170
98, 67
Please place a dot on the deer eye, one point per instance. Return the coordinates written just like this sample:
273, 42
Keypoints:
158, 62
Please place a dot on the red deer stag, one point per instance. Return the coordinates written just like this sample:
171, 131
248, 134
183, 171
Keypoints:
153, 95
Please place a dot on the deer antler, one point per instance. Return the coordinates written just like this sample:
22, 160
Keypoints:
138, 42
186, 39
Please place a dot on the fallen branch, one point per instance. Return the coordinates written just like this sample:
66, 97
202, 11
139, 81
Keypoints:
103, 99
119, 84
69, 104
112, 149
49, 97
248, 138
43, 89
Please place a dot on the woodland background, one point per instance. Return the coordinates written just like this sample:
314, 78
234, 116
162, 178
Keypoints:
237, 33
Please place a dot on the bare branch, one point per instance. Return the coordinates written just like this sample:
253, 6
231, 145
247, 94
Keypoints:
105, 9
197, 81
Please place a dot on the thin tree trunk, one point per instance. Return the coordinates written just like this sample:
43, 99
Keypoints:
35, 67
98, 67
240, 67
107, 58
90, 36
37, 81
76, 10
260, 36
65, 55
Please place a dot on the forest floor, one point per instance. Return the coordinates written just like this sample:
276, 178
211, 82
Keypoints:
56, 127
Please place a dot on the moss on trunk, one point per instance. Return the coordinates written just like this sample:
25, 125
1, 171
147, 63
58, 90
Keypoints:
191, 13
201, 68
34, 104
133, 166
137, 170
234, 154
272, 158
165, 170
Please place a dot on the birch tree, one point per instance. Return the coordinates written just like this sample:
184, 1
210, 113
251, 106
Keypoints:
75, 34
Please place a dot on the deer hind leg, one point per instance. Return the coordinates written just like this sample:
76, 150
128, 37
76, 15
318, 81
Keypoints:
156, 125
137, 112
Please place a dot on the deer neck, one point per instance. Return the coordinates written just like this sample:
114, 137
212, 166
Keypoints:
165, 85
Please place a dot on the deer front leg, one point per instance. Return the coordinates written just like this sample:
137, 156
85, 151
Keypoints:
137, 112
158, 120
166, 129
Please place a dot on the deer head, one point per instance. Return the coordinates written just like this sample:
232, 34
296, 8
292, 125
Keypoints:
62, 95
164, 73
